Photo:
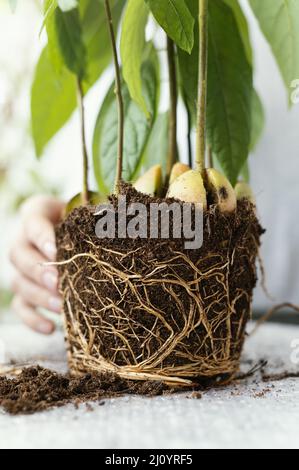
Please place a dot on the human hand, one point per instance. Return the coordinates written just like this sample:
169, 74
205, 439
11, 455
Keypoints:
36, 285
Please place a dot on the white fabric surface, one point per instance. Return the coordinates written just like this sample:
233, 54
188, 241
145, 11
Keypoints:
232, 417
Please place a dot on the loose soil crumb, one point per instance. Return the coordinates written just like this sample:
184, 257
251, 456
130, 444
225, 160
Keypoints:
262, 393
195, 395
89, 407
38, 389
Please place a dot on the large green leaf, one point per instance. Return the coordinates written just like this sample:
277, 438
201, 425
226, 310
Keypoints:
52, 101
229, 92
229, 87
49, 9
137, 131
132, 45
257, 120
188, 66
53, 44
257, 127
279, 22
157, 148
52, 107
175, 18
96, 36
69, 36
243, 27
245, 173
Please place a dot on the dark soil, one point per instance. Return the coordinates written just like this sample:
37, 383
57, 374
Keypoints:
38, 389
102, 302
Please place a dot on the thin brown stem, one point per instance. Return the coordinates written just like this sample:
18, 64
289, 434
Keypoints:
202, 85
85, 189
118, 92
172, 135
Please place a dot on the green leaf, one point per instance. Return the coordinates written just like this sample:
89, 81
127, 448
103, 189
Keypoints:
49, 8
188, 63
132, 45
52, 101
69, 36
96, 37
137, 131
229, 92
229, 87
175, 18
67, 5
257, 127
157, 148
257, 120
243, 27
188, 66
279, 22
245, 173
60, 83
77, 201
53, 45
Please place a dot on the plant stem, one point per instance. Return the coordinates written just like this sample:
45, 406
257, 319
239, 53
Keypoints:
172, 133
202, 85
189, 141
85, 189
118, 92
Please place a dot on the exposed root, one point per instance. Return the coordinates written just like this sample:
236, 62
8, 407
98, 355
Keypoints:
124, 328
271, 312
256, 368
151, 310
263, 280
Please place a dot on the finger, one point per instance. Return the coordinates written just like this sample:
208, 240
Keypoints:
30, 263
39, 215
49, 207
31, 318
40, 233
36, 296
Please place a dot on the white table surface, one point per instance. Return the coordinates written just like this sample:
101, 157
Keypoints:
232, 417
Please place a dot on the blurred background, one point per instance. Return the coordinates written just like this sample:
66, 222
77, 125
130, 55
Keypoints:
274, 165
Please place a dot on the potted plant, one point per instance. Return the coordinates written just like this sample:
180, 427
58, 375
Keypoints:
144, 308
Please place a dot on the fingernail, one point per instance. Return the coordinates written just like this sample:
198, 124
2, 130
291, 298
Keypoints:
44, 327
55, 304
50, 280
50, 250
